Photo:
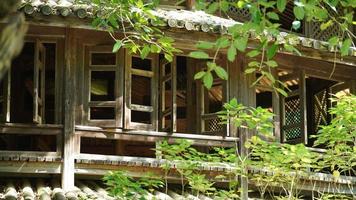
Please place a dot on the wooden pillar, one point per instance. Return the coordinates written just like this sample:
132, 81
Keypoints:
190, 4
247, 96
69, 112
303, 106
276, 111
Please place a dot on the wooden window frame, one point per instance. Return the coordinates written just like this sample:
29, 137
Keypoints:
153, 74
172, 108
202, 115
118, 88
39, 83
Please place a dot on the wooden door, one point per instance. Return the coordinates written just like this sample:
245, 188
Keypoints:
168, 88
39, 83
293, 114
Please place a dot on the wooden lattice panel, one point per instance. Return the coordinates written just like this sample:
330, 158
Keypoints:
213, 125
292, 117
238, 14
320, 110
316, 33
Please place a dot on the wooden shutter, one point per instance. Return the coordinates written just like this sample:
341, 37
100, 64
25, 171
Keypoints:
168, 88
293, 114
39, 83
137, 115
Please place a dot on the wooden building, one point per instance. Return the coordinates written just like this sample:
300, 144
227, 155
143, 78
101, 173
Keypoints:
72, 109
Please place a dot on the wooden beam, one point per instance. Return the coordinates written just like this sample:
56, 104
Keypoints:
303, 106
190, 4
69, 111
153, 136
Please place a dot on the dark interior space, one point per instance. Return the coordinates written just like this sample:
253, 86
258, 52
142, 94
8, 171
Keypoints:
18, 142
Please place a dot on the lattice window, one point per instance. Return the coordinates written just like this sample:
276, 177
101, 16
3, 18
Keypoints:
316, 33
320, 110
213, 125
293, 133
292, 129
239, 14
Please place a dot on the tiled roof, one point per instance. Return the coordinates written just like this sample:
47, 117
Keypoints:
31, 189
182, 19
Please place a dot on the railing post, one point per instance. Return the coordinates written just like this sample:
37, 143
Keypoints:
69, 112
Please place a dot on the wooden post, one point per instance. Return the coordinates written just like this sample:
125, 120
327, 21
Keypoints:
69, 112
247, 96
303, 106
190, 4
276, 111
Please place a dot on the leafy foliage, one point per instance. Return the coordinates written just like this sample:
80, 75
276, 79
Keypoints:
132, 18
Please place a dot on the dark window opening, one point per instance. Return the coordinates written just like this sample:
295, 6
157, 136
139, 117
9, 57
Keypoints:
22, 70
50, 82
142, 64
103, 59
102, 86
117, 147
141, 117
141, 90
102, 113
18, 142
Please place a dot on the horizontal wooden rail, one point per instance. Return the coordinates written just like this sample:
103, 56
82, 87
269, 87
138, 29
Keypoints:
30, 129
121, 134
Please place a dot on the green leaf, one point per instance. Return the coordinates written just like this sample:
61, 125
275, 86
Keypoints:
296, 25
345, 47
231, 53
221, 72
253, 53
326, 25
333, 41
250, 70
271, 51
117, 46
336, 174
224, 5
213, 7
199, 55
168, 57
145, 51
199, 75
271, 63
205, 45
299, 12
281, 5
222, 42
241, 43
281, 91
208, 80
272, 15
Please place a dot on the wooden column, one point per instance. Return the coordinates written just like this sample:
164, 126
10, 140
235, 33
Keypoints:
276, 111
69, 112
247, 96
190, 4
303, 106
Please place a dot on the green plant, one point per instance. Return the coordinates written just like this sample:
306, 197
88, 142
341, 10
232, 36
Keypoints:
123, 187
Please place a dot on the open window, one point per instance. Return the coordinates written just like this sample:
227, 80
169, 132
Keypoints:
31, 81
141, 92
104, 91
293, 111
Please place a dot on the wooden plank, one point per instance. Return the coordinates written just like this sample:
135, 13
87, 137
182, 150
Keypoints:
69, 111
37, 168
303, 106
276, 111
